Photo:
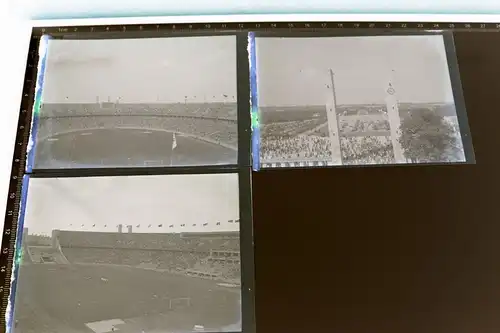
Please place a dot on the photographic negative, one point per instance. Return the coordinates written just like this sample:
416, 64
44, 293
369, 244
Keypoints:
130, 254
138, 102
356, 101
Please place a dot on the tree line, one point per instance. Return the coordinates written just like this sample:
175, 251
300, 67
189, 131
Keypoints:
427, 137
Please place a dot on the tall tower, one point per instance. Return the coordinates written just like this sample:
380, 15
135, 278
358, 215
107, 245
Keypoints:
120, 228
391, 101
129, 229
332, 120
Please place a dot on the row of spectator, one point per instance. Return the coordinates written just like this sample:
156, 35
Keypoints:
169, 261
301, 147
220, 131
354, 150
289, 128
151, 241
215, 110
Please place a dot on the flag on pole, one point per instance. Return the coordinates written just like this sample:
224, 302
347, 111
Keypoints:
174, 142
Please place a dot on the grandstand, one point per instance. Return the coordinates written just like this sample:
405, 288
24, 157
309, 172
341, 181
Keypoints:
151, 282
301, 134
179, 252
206, 110
161, 134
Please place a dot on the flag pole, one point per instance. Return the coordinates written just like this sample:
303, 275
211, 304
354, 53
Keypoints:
394, 120
174, 145
332, 120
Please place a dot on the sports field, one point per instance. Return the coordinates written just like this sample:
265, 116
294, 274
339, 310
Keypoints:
129, 147
67, 298
90, 135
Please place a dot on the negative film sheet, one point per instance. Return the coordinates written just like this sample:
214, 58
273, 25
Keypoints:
130, 254
137, 102
357, 101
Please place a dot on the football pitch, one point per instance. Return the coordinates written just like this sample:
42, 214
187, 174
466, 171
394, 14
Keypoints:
66, 298
119, 148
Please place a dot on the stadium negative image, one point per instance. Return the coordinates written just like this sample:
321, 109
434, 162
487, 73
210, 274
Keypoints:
130, 254
345, 100
137, 102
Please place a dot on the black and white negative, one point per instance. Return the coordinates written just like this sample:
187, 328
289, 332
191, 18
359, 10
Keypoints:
327, 101
154, 102
131, 254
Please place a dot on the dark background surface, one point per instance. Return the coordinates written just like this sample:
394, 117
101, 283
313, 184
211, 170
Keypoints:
389, 249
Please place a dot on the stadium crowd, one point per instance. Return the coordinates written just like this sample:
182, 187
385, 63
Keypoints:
220, 131
214, 122
348, 125
280, 144
289, 128
355, 150
227, 268
146, 241
298, 148
206, 110
211, 257
366, 150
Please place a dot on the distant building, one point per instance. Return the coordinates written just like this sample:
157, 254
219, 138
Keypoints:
129, 229
120, 228
108, 105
